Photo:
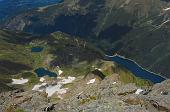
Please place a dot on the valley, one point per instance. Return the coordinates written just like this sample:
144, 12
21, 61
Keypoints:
84, 56
135, 31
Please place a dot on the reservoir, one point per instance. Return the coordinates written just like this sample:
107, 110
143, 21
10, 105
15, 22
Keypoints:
136, 69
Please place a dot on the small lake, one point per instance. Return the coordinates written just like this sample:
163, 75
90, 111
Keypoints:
136, 69
37, 49
43, 72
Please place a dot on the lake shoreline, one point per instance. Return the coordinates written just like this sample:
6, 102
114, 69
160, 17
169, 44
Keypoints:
110, 58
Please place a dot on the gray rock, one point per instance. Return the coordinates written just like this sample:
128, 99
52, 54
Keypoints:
160, 88
126, 89
135, 108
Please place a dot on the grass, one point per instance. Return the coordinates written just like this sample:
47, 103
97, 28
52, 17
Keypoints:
4, 87
106, 72
10, 109
15, 53
21, 53
127, 77
33, 78
19, 110
5, 79
77, 69
67, 85
88, 99
18, 55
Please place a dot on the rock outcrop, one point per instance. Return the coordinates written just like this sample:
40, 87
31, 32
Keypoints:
108, 95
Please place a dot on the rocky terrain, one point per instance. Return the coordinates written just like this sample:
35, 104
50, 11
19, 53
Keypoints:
83, 80
53, 58
91, 93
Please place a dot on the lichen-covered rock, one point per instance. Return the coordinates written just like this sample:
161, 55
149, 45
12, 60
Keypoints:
161, 88
108, 95
126, 89
135, 108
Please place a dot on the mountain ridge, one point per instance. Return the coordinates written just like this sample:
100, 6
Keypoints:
86, 56
121, 27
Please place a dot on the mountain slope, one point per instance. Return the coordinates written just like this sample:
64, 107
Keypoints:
148, 43
10, 8
136, 29
86, 18
18, 59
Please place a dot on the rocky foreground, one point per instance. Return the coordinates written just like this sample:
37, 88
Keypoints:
92, 93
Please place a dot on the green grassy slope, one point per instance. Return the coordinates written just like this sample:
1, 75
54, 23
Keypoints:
59, 49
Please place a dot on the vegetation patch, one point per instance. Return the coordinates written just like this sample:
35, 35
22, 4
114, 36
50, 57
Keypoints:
128, 77
68, 85
4, 87
20, 110
33, 79
87, 99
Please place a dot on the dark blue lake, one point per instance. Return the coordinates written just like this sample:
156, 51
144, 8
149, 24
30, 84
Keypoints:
37, 49
136, 69
43, 72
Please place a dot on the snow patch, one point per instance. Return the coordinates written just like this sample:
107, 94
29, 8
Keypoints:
138, 91
68, 80
42, 79
98, 69
62, 91
60, 77
38, 87
60, 72
166, 9
114, 82
51, 89
19, 81
91, 81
